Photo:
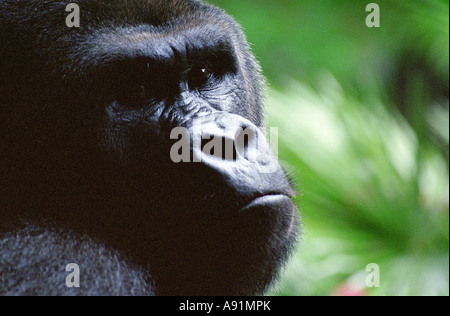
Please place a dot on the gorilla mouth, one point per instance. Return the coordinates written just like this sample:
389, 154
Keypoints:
279, 208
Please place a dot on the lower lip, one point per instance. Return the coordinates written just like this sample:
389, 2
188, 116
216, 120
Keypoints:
279, 204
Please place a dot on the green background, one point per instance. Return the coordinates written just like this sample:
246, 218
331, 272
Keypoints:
363, 118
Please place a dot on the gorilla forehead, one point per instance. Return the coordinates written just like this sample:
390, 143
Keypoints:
98, 13
152, 11
117, 29
128, 21
158, 44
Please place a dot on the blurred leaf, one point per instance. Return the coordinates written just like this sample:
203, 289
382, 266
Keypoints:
369, 194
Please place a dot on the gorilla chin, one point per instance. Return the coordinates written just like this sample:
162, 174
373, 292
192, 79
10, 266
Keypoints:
106, 159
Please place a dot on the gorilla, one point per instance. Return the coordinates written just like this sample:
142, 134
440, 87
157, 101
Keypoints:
86, 141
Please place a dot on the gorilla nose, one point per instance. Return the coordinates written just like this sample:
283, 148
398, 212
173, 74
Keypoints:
239, 152
229, 139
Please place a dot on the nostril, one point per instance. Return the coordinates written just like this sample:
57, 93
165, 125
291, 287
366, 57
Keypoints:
220, 146
229, 138
242, 145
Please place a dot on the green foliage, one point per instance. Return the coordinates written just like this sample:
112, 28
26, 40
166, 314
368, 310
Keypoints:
370, 194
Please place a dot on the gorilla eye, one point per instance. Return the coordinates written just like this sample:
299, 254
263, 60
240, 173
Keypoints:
132, 95
199, 76
141, 92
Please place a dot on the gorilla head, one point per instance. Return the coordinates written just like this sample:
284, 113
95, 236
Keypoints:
87, 121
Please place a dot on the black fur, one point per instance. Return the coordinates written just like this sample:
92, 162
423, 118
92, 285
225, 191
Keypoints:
85, 178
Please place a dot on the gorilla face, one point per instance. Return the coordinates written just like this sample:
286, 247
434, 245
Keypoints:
89, 135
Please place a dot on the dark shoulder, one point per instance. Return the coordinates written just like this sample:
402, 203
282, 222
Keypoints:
33, 262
